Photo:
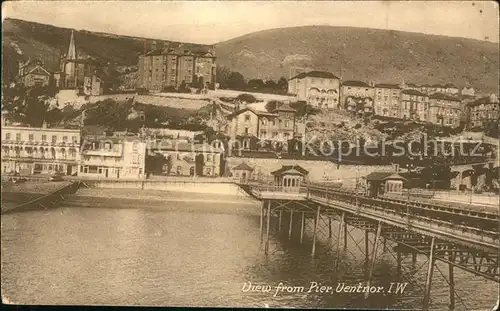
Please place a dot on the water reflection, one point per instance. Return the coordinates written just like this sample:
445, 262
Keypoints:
158, 254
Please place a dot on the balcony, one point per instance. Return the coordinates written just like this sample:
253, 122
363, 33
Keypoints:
102, 152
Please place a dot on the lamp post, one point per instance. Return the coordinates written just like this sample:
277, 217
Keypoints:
409, 167
471, 186
434, 174
357, 182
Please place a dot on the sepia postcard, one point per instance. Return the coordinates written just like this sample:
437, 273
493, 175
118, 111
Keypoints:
258, 154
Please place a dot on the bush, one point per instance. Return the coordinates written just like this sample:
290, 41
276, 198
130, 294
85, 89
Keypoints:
170, 89
248, 98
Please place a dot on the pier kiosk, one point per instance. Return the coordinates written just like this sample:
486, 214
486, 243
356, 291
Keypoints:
289, 178
243, 173
380, 183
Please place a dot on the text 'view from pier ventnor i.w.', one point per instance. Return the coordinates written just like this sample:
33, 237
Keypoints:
194, 157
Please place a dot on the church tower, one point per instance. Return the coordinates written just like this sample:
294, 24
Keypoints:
72, 49
69, 65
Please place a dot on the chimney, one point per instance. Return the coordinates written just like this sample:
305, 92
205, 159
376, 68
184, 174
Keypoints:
44, 125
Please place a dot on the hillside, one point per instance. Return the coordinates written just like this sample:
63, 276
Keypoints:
369, 54
22, 39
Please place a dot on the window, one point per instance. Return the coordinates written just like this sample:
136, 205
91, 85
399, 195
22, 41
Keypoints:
178, 156
7, 136
209, 157
65, 138
286, 123
246, 130
18, 136
135, 147
247, 117
54, 139
75, 140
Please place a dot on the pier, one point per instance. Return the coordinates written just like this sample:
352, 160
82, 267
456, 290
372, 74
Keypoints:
463, 237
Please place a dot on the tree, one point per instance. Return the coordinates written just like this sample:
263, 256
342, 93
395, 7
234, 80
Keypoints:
223, 74
256, 84
248, 98
271, 84
303, 109
199, 164
272, 105
109, 113
183, 88
236, 81
283, 85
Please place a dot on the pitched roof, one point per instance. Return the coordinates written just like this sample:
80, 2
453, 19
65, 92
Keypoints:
243, 167
257, 112
437, 85
387, 86
450, 85
285, 107
443, 97
483, 100
355, 83
315, 74
413, 92
39, 70
381, 176
291, 169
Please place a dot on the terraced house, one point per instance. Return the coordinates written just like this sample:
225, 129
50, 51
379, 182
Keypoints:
387, 100
33, 73
357, 96
113, 157
188, 159
249, 126
444, 110
318, 88
40, 150
414, 105
160, 69
483, 111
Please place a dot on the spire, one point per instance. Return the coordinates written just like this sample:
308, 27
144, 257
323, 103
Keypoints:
72, 49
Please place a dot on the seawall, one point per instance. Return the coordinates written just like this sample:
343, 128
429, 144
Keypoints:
175, 186
44, 197
318, 170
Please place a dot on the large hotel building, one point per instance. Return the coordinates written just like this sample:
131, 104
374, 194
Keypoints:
164, 68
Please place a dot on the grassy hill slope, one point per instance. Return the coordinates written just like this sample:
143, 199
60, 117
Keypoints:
367, 54
22, 39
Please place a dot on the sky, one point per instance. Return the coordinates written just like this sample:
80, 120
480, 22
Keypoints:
210, 22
